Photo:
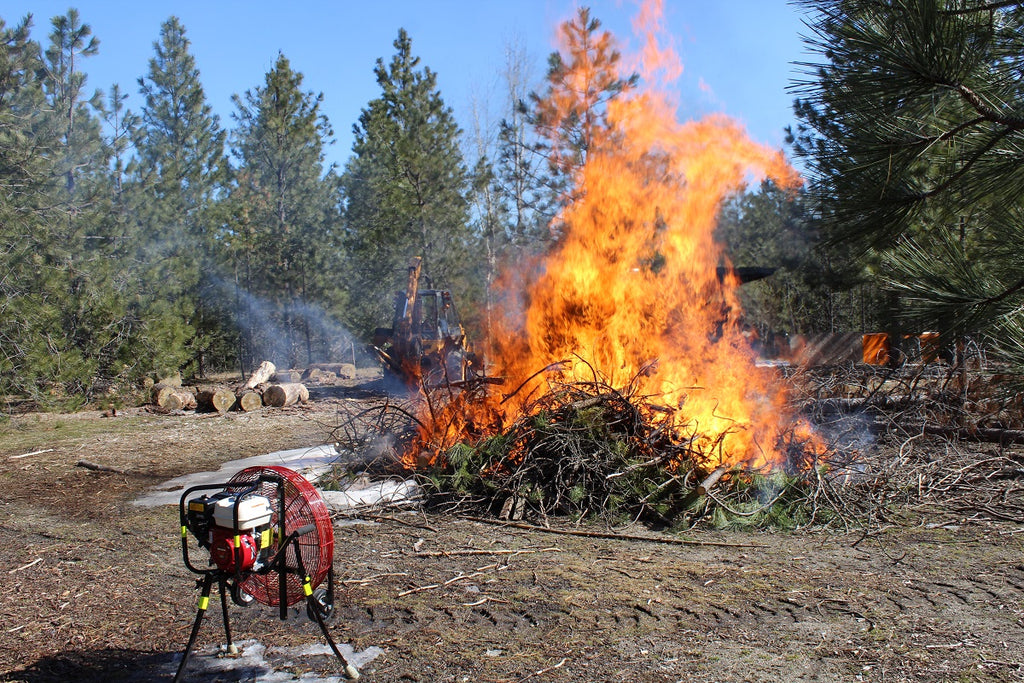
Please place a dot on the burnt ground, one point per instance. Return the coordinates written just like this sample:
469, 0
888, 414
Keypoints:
93, 588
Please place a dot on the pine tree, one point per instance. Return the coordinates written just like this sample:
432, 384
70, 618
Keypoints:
911, 129
573, 108
519, 172
284, 242
67, 299
26, 182
405, 192
179, 168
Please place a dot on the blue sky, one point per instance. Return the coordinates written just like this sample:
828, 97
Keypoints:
737, 54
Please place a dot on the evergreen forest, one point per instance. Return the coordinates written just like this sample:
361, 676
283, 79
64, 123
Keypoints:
137, 242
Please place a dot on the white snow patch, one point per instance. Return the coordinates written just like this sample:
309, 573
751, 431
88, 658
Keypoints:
369, 493
311, 463
256, 662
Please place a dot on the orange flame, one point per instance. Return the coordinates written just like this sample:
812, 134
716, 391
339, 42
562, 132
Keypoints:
630, 292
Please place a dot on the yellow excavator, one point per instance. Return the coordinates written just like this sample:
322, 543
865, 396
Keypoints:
426, 345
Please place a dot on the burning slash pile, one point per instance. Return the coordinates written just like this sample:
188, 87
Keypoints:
629, 385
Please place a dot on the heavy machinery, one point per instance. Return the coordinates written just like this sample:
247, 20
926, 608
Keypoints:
426, 345
270, 540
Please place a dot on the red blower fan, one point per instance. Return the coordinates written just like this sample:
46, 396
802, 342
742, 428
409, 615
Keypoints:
270, 540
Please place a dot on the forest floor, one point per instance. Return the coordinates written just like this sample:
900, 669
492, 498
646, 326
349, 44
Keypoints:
92, 587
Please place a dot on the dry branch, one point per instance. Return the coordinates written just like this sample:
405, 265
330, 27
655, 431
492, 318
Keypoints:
458, 553
98, 468
25, 455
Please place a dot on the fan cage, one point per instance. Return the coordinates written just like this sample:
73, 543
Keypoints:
303, 505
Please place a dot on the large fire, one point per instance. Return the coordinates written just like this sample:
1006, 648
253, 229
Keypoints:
630, 292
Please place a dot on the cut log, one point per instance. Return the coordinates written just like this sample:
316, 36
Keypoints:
290, 393
249, 401
318, 376
178, 399
342, 370
216, 399
160, 392
286, 377
261, 375
711, 480
173, 398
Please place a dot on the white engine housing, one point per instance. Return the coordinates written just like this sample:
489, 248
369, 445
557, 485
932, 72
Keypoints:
253, 511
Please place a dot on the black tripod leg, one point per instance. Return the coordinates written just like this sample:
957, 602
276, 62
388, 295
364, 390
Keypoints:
314, 607
231, 649
204, 602
330, 585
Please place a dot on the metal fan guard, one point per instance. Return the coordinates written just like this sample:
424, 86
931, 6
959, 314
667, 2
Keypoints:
303, 505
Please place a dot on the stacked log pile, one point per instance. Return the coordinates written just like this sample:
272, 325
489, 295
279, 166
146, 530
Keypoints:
266, 386
275, 388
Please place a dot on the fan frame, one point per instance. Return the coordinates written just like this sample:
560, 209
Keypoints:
317, 549
298, 510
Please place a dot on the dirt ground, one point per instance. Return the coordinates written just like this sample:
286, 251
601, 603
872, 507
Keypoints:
92, 588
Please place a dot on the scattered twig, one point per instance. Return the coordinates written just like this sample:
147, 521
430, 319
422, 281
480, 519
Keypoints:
389, 518
432, 586
456, 553
541, 672
998, 662
370, 579
419, 589
26, 566
25, 455
485, 599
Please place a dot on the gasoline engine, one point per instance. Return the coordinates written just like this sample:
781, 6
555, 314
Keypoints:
269, 537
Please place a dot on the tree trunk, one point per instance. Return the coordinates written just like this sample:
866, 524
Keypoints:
219, 399
280, 395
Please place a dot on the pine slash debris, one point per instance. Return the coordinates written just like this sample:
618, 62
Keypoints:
586, 450
370, 579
